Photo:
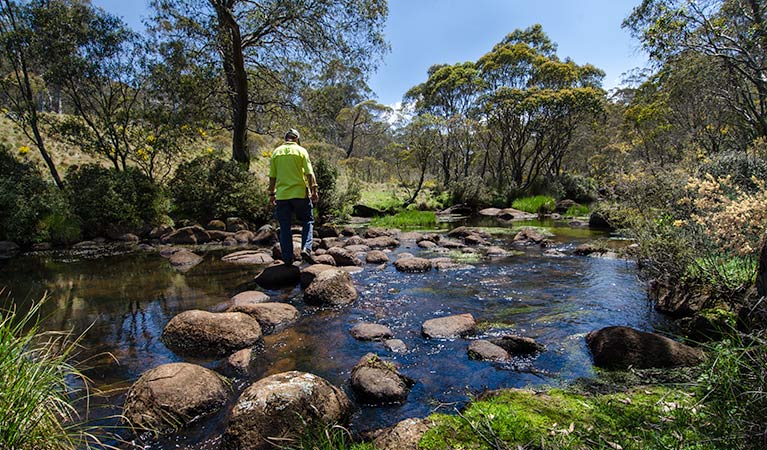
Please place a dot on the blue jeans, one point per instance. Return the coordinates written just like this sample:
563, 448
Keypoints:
302, 208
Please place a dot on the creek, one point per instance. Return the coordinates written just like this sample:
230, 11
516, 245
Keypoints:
122, 303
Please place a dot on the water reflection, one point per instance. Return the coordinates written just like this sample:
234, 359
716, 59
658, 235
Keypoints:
127, 300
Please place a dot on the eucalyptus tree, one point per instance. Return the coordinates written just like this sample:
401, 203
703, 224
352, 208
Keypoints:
451, 93
255, 42
20, 75
364, 120
733, 33
532, 105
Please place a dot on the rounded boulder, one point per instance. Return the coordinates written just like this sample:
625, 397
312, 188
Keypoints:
202, 333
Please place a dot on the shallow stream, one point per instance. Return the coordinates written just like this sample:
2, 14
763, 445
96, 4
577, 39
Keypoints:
125, 301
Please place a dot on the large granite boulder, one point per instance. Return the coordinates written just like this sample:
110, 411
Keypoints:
331, 288
248, 257
203, 333
377, 382
280, 407
450, 326
382, 242
487, 351
174, 395
624, 347
376, 257
271, 316
278, 276
188, 235
413, 265
371, 332
309, 273
344, 257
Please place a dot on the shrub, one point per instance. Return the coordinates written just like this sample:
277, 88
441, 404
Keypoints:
32, 210
577, 187
539, 204
471, 190
208, 188
108, 201
740, 167
329, 203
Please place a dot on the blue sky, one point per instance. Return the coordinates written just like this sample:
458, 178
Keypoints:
427, 32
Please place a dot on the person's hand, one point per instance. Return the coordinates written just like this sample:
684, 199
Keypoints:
273, 201
315, 197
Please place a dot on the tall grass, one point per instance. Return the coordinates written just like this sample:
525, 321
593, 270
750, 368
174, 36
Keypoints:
405, 219
535, 205
35, 391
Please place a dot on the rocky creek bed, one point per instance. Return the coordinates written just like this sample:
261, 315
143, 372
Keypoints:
550, 294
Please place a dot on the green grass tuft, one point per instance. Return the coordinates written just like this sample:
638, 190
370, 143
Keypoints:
537, 204
406, 219
577, 211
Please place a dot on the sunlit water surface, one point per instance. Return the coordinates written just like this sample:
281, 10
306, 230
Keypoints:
125, 301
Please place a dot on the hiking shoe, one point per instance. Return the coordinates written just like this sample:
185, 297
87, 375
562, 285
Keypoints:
307, 256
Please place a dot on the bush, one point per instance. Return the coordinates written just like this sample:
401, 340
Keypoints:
329, 203
108, 201
32, 210
577, 187
540, 204
471, 190
209, 188
740, 167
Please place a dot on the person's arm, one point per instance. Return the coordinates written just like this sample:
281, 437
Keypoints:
313, 187
272, 191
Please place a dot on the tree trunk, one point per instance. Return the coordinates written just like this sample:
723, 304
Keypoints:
237, 79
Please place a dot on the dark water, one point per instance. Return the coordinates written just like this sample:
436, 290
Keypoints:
127, 300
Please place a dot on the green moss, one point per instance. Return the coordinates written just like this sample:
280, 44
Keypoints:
649, 417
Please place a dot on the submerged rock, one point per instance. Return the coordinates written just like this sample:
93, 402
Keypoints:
202, 333
450, 326
624, 347
395, 345
283, 406
183, 260
239, 362
174, 395
518, 345
377, 382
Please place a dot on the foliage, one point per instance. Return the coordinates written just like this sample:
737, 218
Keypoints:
107, 201
731, 274
471, 190
31, 209
208, 188
406, 219
538, 204
577, 187
577, 211
734, 390
329, 203
644, 418
265, 50
36, 387
741, 168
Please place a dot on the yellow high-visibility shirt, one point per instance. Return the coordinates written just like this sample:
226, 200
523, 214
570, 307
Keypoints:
289, 165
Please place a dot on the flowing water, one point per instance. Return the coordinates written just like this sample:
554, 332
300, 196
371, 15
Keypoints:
125, 301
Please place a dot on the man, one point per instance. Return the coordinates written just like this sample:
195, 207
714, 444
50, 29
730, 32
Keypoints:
290, 171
